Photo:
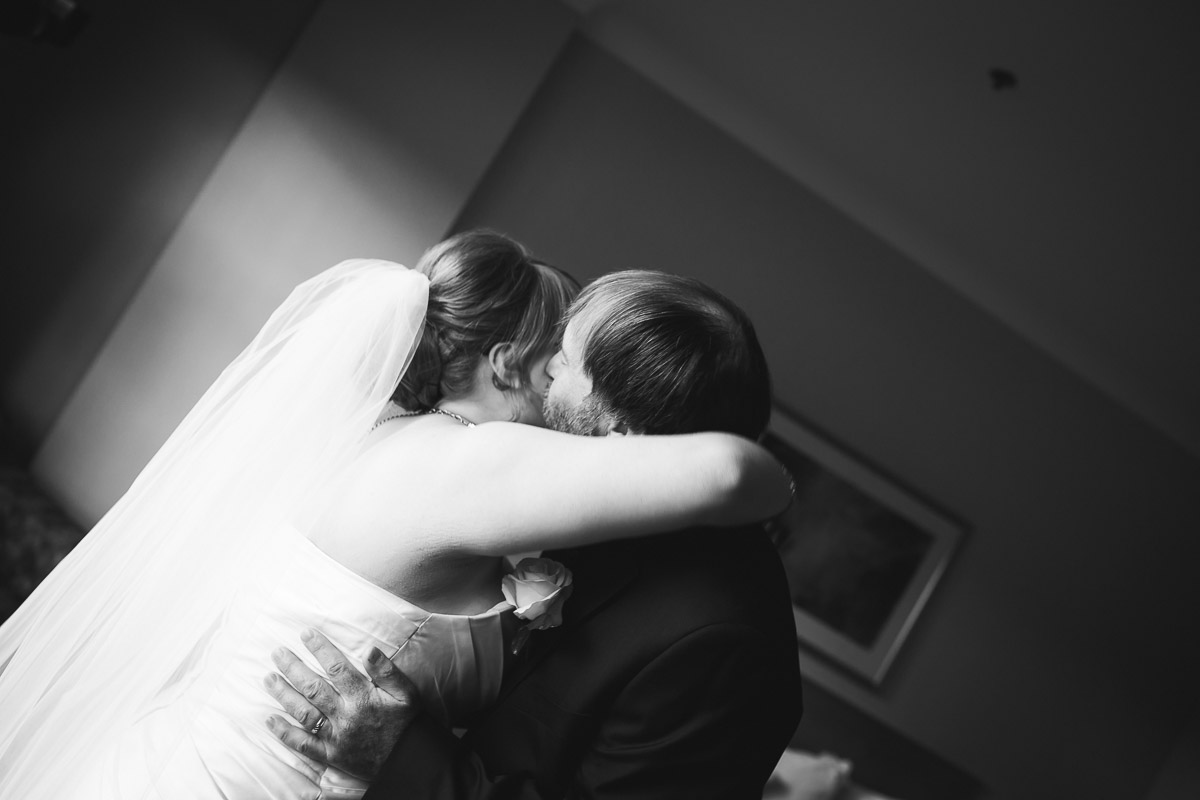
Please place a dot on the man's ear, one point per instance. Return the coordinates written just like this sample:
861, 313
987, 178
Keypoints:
504, 376
620, 427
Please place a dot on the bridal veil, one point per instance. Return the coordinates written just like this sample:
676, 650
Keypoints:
117, 626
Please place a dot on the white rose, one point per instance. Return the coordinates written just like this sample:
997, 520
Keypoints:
537, 589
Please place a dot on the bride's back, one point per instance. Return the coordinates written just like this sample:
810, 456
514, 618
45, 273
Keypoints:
392, 518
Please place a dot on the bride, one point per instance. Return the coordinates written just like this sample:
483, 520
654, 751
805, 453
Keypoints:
307, 490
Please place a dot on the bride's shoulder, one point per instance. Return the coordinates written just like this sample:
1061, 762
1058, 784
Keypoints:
416, 450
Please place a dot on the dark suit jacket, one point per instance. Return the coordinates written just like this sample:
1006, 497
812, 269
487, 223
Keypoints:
674, 674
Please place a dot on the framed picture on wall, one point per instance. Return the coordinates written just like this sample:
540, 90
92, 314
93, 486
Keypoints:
862, 553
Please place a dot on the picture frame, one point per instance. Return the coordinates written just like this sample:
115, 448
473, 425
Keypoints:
862, 553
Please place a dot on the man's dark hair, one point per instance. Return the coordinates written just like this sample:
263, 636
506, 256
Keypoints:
668, 354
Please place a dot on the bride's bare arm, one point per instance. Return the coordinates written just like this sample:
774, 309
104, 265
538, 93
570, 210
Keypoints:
501, 488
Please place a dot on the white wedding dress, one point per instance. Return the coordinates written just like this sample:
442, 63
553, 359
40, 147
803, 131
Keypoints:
206, 737
136, 668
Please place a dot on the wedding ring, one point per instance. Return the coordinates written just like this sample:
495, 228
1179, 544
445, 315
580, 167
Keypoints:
320, 724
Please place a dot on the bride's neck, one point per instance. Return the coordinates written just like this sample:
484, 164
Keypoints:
478, 409
483, 402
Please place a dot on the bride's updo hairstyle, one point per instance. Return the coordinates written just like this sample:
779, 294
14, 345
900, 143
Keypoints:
484, 289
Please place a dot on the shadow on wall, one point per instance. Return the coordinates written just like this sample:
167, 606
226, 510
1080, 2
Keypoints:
55, 23
35, 534
875, 755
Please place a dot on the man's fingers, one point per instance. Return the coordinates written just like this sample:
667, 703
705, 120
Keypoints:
299, 740
314, 688
346, 679
388, 677
293, 702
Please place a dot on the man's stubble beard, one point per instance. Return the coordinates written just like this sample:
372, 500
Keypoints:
585, 419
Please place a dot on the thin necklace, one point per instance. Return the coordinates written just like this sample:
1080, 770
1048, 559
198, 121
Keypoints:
461, 419
435, 410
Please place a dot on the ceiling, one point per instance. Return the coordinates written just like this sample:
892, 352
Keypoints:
1065, 205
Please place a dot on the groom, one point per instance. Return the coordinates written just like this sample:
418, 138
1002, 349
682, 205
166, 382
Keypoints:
674, 672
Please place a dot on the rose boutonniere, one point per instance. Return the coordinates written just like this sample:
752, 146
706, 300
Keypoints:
537, 589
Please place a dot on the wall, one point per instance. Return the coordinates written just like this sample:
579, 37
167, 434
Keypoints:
1179, 777
105, 145
1052, 661
367, 142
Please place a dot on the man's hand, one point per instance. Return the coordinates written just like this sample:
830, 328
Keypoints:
364, 716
